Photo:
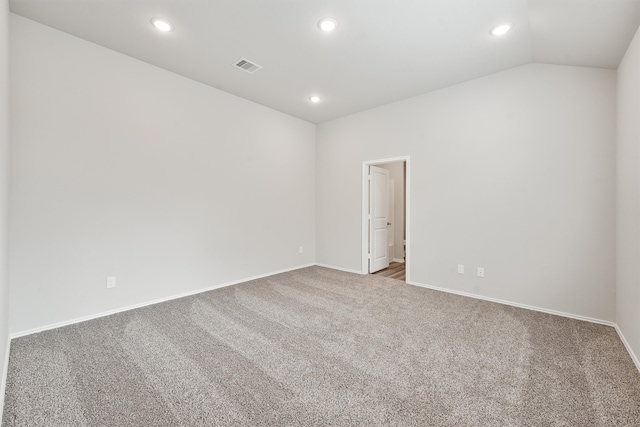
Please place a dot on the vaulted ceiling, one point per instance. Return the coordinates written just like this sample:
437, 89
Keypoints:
381, 51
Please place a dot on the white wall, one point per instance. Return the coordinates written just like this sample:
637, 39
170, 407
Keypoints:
4, 173
628, 200
396, 173
121, 168
513, 172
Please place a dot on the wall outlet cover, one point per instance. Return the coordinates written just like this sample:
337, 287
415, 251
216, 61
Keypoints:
111, 282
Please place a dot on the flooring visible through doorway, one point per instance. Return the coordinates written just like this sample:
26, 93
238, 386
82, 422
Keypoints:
396, 270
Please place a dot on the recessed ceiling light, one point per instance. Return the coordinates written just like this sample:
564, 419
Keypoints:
501, 29
162, 24
327, 24
314, 99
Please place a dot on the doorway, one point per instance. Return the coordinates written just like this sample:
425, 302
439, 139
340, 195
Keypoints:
385, 217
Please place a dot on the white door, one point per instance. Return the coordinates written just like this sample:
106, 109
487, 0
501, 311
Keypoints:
379, 218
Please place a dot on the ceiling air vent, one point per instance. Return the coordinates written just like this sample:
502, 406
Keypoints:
246, 65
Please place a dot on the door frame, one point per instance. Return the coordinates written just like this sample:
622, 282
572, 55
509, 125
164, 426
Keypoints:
365, 210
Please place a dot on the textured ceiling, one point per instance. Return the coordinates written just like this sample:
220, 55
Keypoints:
381, 52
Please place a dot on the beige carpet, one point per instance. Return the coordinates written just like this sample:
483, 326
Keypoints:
322, 347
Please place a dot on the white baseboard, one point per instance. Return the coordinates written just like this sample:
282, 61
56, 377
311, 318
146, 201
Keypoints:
516, 304
398, 260
635, 359
346, 270
147, 303
5, 372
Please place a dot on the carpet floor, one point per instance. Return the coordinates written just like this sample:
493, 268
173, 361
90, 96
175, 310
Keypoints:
319, 347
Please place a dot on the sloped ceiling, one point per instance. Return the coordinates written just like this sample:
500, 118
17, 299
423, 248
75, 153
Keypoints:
382, 51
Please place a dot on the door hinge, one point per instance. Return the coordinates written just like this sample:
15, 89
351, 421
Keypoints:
369, 255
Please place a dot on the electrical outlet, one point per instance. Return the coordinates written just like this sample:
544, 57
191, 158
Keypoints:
111, 282
301, 249
480, 272
460, 269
